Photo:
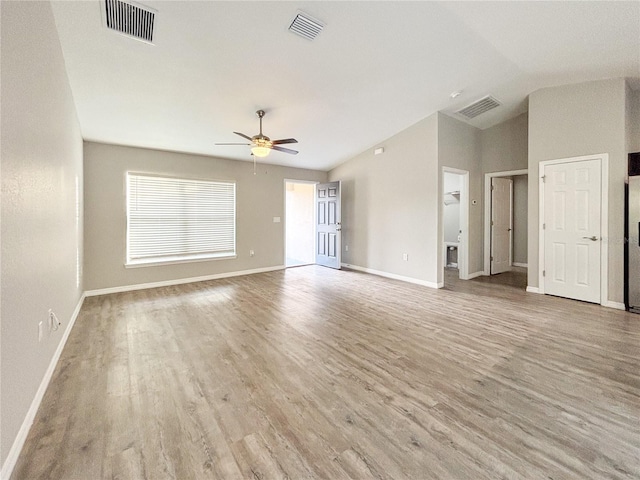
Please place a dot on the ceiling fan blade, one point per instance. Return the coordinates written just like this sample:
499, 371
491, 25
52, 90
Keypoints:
232, 144
285, 150
243, 135
284, 140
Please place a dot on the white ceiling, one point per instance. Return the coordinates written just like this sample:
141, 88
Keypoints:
376, 69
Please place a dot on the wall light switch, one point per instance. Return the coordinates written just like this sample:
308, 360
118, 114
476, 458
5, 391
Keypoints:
276, 219
346, 248
405, 256
251, 253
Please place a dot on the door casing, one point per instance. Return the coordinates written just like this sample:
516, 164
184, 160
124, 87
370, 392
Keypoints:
604, 220
487, 212
463, 248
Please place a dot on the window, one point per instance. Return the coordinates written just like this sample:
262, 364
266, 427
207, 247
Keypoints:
177, 219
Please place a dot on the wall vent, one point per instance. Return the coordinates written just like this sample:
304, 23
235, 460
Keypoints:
478, 108
134, 21
305, 26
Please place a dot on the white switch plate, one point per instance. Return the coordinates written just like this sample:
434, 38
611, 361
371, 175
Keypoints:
251, 253
405, 256
276, 219
346, 248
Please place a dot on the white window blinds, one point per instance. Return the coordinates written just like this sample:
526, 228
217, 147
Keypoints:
175, 219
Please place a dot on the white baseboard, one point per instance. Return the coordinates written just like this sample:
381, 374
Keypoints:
179, 281
18, 443
533, 289
394, 276
616, 305
518, 264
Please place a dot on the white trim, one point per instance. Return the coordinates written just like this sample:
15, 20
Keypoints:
471, 276
21, 437
487, 212
518, 264
531, 289
463, 246
616, 305
179, 281
604, 220
394, 276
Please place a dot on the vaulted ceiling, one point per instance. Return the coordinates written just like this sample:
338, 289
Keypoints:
374, 70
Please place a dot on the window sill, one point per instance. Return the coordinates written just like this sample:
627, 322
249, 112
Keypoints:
155, 262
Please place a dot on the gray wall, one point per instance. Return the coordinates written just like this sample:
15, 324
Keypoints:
504, 146
520, 218
41, 229
390, 204
633, 120
259, 198
459, 147
575, 120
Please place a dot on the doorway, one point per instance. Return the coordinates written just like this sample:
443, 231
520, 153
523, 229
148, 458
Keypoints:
455, 221
505, 224
299, 223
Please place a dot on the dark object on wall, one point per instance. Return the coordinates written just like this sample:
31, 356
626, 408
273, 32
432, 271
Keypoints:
634, 164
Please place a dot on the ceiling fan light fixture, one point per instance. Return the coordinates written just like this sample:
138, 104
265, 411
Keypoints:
260, 151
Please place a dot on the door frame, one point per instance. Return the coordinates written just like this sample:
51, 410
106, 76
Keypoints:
604, 219
284, 223
487, 212
463, 247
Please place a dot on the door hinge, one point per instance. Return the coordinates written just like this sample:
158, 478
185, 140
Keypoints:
544, 273
492, 188
544, 178
544, 226
492, 223
492, 258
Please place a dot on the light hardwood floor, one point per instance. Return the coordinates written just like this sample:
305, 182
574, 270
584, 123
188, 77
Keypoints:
316, 373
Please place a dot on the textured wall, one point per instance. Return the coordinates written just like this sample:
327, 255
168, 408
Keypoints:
390, 204
41, 204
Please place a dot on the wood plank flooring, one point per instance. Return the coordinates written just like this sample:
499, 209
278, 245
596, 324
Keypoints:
315, 373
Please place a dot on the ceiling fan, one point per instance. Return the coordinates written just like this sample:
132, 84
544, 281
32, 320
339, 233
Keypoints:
261, 145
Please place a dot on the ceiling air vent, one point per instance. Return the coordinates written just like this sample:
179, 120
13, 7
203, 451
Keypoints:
132, 20
478, 108
305, 26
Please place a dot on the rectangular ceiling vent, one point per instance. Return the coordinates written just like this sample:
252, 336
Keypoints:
478, 108
305, 26
131, 20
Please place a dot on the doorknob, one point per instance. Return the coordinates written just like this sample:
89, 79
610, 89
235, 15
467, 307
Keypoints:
593, 238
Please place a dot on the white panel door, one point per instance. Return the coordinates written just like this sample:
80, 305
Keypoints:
328, 228
501, 224
571, 228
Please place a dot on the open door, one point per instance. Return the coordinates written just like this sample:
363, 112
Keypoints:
328, 229
501, 224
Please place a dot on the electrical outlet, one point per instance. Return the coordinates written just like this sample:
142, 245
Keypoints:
40, 331
405, 257
251, 253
